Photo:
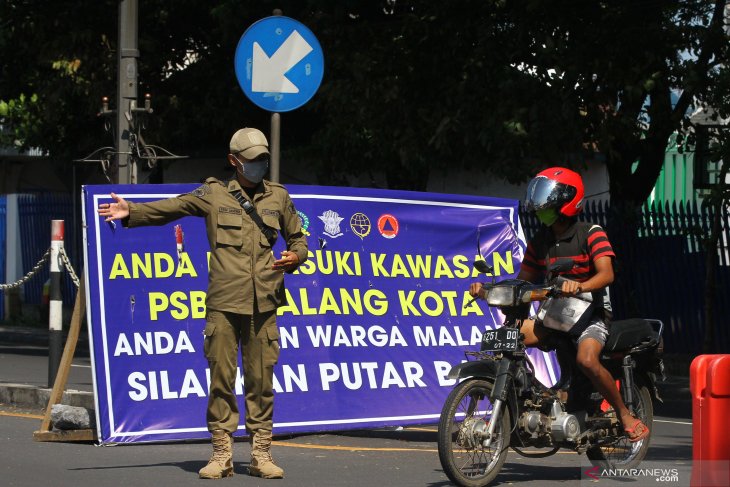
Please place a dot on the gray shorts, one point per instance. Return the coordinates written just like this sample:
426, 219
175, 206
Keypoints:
597, 330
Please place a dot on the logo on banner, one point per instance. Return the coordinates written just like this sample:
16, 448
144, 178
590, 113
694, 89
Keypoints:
388, 226
360, 225
331, 220
304, 220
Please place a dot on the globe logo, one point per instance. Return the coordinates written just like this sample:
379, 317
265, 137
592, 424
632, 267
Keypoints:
360, 224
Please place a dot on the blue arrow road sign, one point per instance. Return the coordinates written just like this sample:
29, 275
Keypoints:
279, 64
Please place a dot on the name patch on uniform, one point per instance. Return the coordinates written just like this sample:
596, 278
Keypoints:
274, 213
232, 211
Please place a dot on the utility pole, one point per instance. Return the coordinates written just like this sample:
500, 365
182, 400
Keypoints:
125, 170
119, 163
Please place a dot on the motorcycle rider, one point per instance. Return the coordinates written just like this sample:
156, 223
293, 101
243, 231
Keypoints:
555, 195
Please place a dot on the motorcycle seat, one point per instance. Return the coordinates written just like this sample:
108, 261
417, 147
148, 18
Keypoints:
626, 334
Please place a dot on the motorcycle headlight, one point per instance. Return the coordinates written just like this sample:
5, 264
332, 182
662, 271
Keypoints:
501, 296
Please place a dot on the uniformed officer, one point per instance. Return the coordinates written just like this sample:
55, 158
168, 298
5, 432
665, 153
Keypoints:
244, 217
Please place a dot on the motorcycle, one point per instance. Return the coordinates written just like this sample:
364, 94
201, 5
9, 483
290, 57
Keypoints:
499, 403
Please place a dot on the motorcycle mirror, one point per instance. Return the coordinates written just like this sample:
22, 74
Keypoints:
482, 266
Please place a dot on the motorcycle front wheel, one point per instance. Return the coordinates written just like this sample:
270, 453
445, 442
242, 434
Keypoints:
622, 453
462, 431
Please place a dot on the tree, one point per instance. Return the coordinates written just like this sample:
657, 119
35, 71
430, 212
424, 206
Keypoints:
46, 81
512, 86
59, 59
410, 86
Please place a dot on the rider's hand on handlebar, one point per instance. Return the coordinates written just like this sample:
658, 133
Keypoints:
571, 288
476, 289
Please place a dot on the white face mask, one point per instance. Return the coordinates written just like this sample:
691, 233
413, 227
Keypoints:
254, 171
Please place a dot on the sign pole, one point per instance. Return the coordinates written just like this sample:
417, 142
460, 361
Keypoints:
279, 65
275, 134
275, 145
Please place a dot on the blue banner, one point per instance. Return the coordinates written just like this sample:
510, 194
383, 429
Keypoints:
374, 321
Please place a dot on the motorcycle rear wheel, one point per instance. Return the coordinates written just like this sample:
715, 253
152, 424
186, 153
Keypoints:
465, 415
622, 453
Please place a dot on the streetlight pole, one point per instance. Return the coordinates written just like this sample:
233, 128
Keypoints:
127, 54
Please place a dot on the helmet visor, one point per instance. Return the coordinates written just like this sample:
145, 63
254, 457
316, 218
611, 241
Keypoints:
544, 193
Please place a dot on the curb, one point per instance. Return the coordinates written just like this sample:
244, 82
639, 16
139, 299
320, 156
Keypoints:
23, 395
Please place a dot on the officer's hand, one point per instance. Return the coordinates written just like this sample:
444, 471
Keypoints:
571, 288
476, 289
114, 211
288, 261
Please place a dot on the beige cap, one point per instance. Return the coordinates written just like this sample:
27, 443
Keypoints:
250, 143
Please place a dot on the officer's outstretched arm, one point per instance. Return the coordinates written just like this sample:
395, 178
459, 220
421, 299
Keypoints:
114, 211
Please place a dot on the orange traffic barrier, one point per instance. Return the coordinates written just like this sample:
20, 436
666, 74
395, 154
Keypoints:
709, 383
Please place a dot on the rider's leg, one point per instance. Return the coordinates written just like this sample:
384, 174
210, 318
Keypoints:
534, 334
589, 349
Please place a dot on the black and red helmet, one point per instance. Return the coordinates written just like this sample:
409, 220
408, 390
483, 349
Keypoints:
556, 187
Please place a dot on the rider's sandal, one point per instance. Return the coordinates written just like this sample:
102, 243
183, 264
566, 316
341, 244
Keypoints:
638, 432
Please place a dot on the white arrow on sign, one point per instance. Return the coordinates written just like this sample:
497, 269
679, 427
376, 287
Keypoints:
268, 72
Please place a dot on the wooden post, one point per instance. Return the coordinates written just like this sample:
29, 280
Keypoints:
59, 385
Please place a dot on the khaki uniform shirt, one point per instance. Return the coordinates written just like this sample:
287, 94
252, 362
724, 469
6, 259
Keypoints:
241, 256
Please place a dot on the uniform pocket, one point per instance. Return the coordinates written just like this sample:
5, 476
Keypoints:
208, 334
229, 229
271, 353
271, 222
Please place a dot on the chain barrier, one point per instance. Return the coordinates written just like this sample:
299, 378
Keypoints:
69, 267
39, 265
27, 277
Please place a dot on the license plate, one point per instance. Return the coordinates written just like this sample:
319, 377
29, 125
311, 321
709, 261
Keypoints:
500, 340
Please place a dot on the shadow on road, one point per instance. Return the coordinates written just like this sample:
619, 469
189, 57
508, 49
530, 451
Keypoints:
192, 466
679, 448
521, 472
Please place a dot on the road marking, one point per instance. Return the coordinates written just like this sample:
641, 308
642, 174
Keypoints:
367, 448
84, 366
22, 415
672, 422
300, 445
350, 448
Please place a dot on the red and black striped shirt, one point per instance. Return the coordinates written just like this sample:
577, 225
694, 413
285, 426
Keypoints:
583, 242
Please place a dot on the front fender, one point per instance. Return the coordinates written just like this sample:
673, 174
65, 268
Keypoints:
475, 368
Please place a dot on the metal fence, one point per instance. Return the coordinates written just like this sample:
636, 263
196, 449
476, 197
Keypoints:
661, 268
35, 212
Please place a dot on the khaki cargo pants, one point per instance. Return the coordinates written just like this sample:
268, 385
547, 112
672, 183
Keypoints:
259, 340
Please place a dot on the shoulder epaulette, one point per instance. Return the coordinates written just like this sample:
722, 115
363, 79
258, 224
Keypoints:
212, 180
205, 189
276, 185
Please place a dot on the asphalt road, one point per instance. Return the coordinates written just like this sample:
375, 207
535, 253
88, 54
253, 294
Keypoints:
360, 458
383, 458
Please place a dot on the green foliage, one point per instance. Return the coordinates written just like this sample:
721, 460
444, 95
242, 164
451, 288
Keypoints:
21, 116
409, 86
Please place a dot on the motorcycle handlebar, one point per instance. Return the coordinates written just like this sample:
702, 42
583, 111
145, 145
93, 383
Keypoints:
469, 303
553, 290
